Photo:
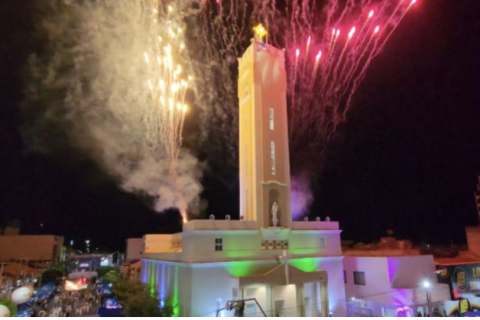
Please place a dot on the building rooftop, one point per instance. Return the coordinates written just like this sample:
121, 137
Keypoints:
225, 225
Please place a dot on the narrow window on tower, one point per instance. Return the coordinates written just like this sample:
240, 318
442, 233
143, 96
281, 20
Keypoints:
271, 119
272, 157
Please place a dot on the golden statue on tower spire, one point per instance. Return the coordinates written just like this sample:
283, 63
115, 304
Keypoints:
260, 32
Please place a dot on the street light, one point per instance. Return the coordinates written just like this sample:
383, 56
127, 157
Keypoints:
426, 284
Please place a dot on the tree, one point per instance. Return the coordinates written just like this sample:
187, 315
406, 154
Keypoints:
102, 271
52, 275
138, 300
10, 305
111, 276
60, 266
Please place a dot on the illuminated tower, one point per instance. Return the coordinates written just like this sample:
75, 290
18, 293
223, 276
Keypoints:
263, 146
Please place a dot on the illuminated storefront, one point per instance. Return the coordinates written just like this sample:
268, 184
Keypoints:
464, 283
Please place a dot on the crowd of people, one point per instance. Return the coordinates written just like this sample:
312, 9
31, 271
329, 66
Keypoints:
68, 304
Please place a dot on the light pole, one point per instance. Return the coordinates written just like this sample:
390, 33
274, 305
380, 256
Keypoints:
426, 284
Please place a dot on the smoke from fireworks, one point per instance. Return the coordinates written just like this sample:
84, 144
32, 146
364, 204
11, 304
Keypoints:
112, 76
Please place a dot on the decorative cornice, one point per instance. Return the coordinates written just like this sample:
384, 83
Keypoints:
194, 265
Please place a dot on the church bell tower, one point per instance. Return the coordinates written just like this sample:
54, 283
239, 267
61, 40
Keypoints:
263, 146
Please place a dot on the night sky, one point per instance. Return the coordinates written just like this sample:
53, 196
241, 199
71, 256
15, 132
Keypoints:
407, 158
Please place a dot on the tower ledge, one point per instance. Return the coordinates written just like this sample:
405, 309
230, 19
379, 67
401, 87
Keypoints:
196, 225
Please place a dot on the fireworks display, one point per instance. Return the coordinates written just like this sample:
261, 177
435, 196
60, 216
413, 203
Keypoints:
329, 46
128, 69
167, 81
325, 94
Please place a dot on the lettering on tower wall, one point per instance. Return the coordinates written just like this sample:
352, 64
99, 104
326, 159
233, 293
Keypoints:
272, 122
272, 158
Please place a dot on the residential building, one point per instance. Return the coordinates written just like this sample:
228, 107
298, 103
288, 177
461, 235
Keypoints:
46, 248
391, 286
134, 249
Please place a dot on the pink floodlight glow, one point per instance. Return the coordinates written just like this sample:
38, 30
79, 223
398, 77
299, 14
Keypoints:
297, 53
319, 56
370, 15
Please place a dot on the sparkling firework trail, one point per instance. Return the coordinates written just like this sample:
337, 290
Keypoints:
315, 68
307, 49
320, 90
340, 60
167, 82
356, 64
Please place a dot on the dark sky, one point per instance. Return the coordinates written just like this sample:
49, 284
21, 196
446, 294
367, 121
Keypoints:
407, 159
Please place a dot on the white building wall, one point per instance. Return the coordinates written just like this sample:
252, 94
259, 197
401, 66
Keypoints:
236, 245
336, 288
251, 308
208, 285
287, 297
209, 277
197, 290
392, 282
199, 246
376, 276
409, 272
171, 282
326, 243
312, 300
157, 243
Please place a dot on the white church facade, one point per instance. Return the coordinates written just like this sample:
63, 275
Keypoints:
277, 266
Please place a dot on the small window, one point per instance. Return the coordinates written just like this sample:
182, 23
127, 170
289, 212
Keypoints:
344, 276
321, 242
218, 244
272, 123
359, 278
